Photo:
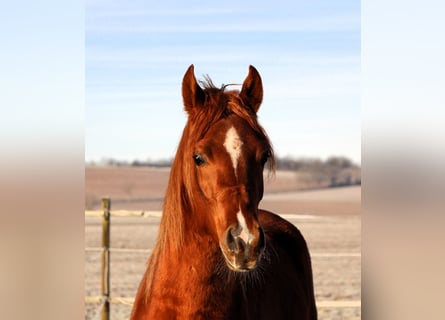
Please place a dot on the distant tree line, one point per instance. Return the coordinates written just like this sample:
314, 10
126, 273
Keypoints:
332, 172
162, 163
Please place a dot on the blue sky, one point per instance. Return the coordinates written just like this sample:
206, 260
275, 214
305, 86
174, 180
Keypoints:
307, 52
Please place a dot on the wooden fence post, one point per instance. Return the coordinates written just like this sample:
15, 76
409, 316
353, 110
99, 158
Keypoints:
106, 205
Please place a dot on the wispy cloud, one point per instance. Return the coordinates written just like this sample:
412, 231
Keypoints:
188, 12
332, 23
335, 83
136, 17
149, 57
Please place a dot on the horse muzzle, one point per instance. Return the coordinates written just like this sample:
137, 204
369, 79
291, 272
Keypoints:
242, 249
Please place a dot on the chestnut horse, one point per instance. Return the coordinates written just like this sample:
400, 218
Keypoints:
218, 256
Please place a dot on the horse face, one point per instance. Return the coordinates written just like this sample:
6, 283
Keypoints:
229, 164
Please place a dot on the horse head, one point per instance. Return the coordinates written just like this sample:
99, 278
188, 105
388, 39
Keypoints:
226, 153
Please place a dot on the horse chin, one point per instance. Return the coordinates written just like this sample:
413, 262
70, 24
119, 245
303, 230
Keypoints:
240, 269
237, 263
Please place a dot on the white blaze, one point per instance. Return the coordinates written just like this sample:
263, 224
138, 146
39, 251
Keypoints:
244, 234
233, 146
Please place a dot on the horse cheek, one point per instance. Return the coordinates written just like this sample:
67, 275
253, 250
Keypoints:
206, 178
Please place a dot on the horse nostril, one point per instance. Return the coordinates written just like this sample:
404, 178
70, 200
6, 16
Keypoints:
234, 242
231, 242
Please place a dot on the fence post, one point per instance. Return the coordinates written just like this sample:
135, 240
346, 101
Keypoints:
106, 205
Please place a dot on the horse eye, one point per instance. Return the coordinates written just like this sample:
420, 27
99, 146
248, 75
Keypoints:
199, 160
265, 157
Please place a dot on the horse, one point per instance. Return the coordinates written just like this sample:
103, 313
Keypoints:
217, 255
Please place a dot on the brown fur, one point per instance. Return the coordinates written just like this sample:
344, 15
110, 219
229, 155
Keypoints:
187, 277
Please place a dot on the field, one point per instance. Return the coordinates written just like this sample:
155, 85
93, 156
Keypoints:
328, 218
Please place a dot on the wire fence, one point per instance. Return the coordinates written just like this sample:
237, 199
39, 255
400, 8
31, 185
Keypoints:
104, 300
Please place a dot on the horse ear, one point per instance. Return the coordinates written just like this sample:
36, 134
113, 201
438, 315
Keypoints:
192, 94
252, 90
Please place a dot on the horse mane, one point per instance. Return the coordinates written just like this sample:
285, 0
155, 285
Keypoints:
178, 202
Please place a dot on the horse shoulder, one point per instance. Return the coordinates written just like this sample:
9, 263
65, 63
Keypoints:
286, 241
282, 232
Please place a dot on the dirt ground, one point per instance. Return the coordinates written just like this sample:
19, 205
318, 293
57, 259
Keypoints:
329, 220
